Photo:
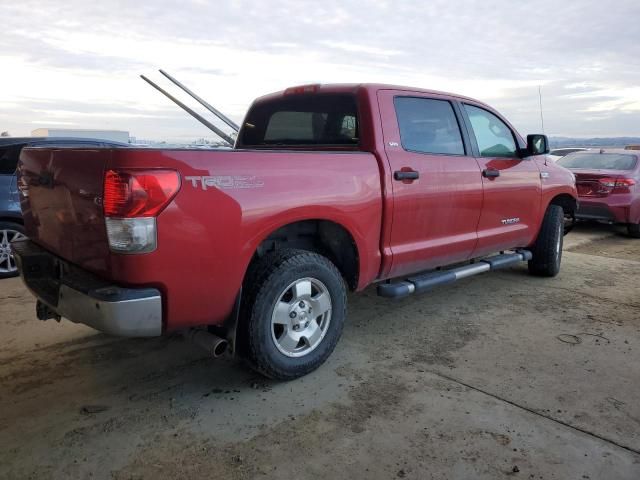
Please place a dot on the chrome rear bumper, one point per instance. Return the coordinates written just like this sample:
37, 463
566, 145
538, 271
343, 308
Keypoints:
64, 290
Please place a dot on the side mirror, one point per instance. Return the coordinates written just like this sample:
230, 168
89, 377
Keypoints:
537, 144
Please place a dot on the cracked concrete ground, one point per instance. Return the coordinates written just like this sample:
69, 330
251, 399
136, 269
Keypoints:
499, 376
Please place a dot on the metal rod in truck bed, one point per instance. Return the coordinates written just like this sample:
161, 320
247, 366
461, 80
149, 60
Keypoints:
202, 102
191, 112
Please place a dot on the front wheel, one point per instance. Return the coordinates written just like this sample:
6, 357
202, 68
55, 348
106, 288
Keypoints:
293, 313
547, 249
9, 232
634, 230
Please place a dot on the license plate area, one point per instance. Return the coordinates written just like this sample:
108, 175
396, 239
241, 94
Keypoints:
43, 274
41, 271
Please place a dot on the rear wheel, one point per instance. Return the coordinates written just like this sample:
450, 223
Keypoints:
9, 232
634, 230
292, 314
547, 250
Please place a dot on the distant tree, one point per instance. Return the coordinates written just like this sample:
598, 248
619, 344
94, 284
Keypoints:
5, 134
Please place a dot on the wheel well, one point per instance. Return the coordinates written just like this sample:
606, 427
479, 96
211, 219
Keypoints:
321, 236
567, 202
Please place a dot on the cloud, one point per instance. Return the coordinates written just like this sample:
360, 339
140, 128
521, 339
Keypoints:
83, 58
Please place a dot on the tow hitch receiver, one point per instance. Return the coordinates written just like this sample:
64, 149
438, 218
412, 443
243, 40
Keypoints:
429, 280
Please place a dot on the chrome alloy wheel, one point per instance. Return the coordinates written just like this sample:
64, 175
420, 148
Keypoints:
7, 262
301, 317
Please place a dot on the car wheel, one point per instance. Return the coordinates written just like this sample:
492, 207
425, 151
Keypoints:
9, 232
293, 313
547, 249
634, 230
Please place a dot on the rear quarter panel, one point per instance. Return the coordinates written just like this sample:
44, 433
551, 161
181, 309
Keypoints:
208, 235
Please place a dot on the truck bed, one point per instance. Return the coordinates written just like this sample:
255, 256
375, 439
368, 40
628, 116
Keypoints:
229, 202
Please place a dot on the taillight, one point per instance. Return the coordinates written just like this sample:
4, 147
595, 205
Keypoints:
138, 193
616, 185
132, 200
623, 185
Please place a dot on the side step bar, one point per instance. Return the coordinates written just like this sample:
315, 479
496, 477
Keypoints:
427, 281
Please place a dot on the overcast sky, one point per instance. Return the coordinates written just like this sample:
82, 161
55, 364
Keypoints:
75, 63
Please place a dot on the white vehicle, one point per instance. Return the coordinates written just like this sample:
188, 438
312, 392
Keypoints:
558, 153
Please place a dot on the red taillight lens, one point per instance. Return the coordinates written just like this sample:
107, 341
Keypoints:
623, 185
138, 193
616, 185
607, 182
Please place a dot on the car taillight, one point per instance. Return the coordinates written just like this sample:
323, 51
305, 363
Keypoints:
623, 185
132, 200
616, 185
138, 193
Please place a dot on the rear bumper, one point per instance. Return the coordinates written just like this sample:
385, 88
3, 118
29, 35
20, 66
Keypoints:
81, 297
590, 210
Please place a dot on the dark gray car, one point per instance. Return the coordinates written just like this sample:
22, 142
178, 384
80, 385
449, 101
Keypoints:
10, 214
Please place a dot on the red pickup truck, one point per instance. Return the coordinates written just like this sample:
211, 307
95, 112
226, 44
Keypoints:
328, 188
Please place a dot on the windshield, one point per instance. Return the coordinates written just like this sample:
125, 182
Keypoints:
302, 120
599, 161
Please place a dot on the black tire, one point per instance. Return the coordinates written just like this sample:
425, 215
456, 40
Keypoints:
8, 230
634, 230
267, 281
547, 249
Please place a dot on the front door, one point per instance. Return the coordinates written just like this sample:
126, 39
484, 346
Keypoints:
437, 187
512, 184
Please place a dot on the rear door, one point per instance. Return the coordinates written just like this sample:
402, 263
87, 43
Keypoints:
512, 185
437, 187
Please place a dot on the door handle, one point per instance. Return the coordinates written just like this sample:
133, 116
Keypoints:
406, 175
490, 173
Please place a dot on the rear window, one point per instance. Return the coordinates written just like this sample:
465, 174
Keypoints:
599, 161
561, 152
302, 120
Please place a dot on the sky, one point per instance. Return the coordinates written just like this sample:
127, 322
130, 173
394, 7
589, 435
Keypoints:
76, 64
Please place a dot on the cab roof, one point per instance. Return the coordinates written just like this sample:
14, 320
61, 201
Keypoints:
353, 88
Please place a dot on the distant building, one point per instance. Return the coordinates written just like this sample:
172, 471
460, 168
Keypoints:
113, 135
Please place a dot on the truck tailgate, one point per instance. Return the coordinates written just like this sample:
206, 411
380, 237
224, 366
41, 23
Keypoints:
61, 199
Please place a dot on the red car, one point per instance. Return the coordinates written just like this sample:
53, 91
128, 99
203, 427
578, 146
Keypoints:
608, 186
328, 188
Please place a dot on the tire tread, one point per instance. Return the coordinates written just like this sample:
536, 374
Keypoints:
543, 263
262, 273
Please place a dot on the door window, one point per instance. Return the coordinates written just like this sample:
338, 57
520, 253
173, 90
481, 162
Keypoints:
493, 136
9, 160
428, 126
